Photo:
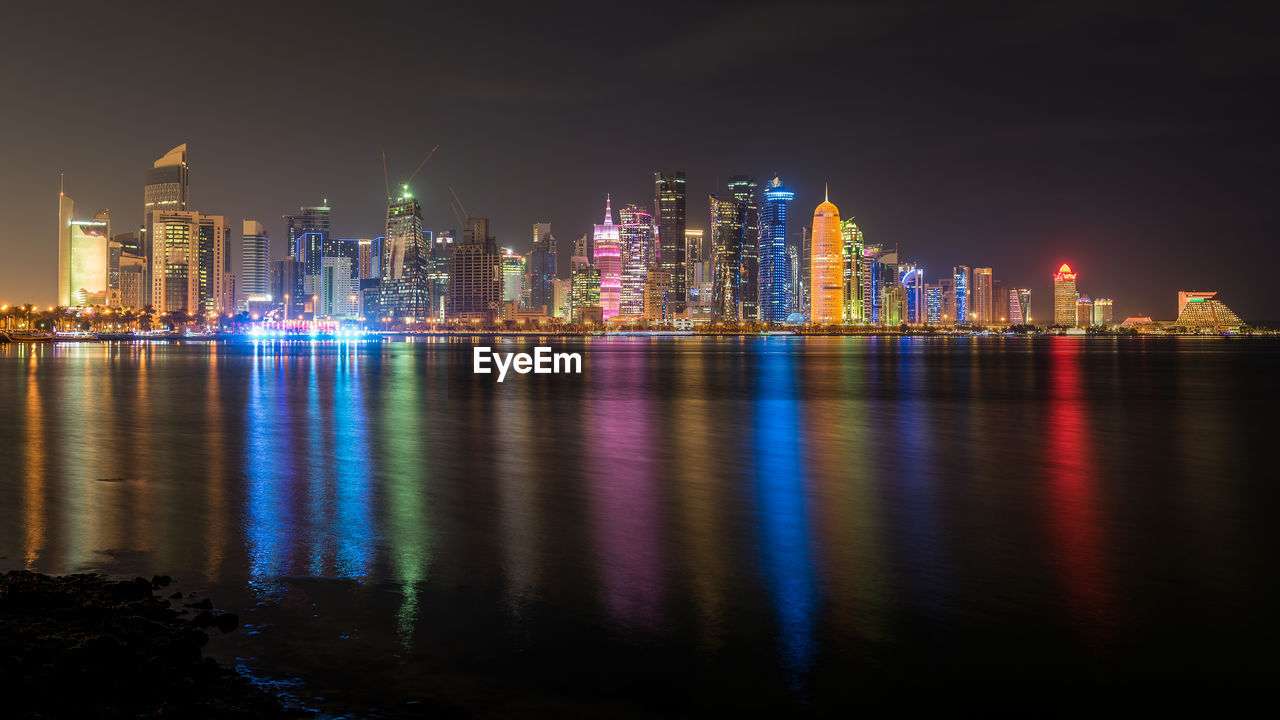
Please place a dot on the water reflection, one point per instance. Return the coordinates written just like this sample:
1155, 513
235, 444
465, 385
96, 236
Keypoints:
780, 487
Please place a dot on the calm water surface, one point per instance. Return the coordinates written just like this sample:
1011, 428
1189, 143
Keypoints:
692, 525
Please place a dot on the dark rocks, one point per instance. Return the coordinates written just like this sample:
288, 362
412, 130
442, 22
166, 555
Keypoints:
85, 646
204, 604
159, 581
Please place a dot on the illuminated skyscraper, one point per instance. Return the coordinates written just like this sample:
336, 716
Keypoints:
513, 269
1014, 305
669, 221
1064, 297
775, 302
175, 237
255, 253
308, 235
793, 280
1024, 304
403, 291
695, 268
912, 280
635, 238
964, 306
726, 247
475, 275
933, 304
657, 291
743, 191
1084, 311
853, 278
213, 264
1103, 315
584, 291
983, 311
165, 189
806, 271
827, 296
84, 256
608, 259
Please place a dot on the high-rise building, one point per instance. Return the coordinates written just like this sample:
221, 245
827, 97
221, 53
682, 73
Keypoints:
561, 290
793, 280
1014, 304
726, 243
635, 239
983, 311
175, 260
1084, 311
475, 275
743, 191
540, 269
255, 253
933, 304
964, 306
806, 271
308, 235
669, 222
1064, 297
1024, 304
512, 279
84, 256
438, 272
1102, 312
827, 295
657, 293
404, 292
912, 280
774, 300
855, 281
339, 291
695, 268
165, 189
213, 265
608, 259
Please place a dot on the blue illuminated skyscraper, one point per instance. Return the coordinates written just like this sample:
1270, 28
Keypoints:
774, 301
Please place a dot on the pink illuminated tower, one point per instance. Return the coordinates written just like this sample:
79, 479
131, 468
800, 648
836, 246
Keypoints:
609, 261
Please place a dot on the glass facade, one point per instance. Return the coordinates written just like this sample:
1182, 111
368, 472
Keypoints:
669, 223
775, 299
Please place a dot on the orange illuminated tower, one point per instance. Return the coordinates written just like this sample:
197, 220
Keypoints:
827, 296
1064, 297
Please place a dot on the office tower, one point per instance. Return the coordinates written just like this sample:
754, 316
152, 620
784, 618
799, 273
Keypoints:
339, 291
130, 242
584, 295
827, 294
792, 279
166, 185
308, 234
540, 269
933, 304
912, 280
669, 223
287, 287
1024, 304
1064, 297
84, 256
1102, 312
895, 305
635, 240
743, 190
999, 304
855, 280
513, 269
132, 284
366, 265
608, 259
404, 292
349, 248
982, 312
1014, 305
657, 294
1084, 311
694, 262
213, 262
175, 260
1201, 311
964, 305
806, 270
948, 285
726, 246
438, 272
255, 253
560, 292
774, 302
475, 276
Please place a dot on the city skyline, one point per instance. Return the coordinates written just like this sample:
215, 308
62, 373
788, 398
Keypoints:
1077, 162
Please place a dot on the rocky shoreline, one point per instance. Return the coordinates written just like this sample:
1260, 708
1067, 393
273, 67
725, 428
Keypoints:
86, 646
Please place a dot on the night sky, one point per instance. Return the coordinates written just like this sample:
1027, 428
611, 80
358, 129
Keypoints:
1136, 142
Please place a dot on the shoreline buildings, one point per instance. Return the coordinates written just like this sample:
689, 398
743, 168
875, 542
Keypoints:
608, 260
827, 296
775, 300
